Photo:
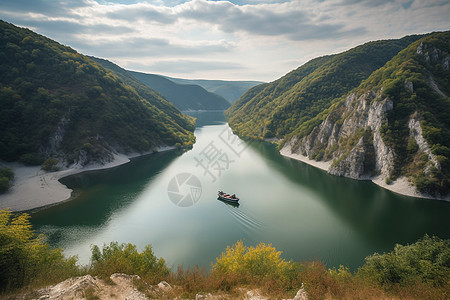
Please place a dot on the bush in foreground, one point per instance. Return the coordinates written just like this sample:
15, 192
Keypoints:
26, 259
417, 271
124, 258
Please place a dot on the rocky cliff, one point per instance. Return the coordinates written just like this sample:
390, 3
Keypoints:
394, 125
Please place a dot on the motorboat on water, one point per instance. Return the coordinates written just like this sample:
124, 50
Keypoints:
227, 197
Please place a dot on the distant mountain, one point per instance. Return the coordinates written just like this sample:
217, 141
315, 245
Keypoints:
230, 90
184, 96
58, 103
380, 109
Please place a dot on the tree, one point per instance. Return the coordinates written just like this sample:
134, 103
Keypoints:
25, 258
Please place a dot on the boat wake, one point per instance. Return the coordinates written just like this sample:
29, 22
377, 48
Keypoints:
245, 221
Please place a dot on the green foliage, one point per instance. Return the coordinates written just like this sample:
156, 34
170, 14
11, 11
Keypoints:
183, 96
297, 103
124, 258
427, 261
422, 102
50, 165
31, 159
420, 270
250, 264
46, 88
293, 102
25, 259
6, 179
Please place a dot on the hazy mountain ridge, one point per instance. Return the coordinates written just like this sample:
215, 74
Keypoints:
184, 96
395, 123
230, 90
57, 102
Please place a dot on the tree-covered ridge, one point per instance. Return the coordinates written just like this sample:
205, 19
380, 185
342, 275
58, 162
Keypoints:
184, 96
54, 99
145, 92
284, 105
415, 126
230, 90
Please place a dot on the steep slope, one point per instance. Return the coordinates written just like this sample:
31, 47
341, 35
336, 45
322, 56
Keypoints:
56, 102
143, 90
395, 124
287, 104
183, 96
230, 90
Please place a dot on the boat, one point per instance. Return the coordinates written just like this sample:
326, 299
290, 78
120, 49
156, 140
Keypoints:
227, 197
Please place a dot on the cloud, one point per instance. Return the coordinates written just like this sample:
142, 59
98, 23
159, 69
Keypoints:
47, 7
290, 20
151, 47
259, 38
144, 12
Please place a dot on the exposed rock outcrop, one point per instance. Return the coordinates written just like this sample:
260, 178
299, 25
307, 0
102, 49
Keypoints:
392, 127
122, 286
132, 287
350, 138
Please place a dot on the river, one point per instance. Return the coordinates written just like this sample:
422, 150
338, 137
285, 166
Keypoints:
169, 200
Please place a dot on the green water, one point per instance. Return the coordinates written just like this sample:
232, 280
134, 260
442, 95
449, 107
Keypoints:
302, 211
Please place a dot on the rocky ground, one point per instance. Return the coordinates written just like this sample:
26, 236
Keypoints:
131, 287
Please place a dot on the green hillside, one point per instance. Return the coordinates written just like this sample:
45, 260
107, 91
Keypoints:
183, 96
418, 82
57, 102
280, 107
367, 114
416, 129
230, 90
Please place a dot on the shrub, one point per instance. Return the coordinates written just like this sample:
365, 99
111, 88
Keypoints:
50, 165
253, 264
6, 178
25, 259
124, 258
426, 261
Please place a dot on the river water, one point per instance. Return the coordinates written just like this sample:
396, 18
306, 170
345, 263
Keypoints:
169, 200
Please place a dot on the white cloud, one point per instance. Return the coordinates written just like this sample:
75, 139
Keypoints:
256, 39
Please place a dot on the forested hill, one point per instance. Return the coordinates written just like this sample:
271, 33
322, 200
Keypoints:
183, 96
230, 90
394, 124
56, 102
280, 107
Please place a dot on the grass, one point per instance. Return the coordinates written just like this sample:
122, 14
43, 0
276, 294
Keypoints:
417, 271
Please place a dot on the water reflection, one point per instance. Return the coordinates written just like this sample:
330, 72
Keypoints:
233, 204
379, 216
102, 192
301, 210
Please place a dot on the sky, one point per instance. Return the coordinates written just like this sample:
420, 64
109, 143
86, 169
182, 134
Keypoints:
230, 40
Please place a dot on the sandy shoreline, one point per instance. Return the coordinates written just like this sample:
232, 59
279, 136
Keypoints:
34, 188
400, 186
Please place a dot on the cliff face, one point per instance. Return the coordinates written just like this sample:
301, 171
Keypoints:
350, 138
291, 103
396, 124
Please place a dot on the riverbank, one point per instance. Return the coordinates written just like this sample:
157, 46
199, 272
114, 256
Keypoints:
34, 188
401, 186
